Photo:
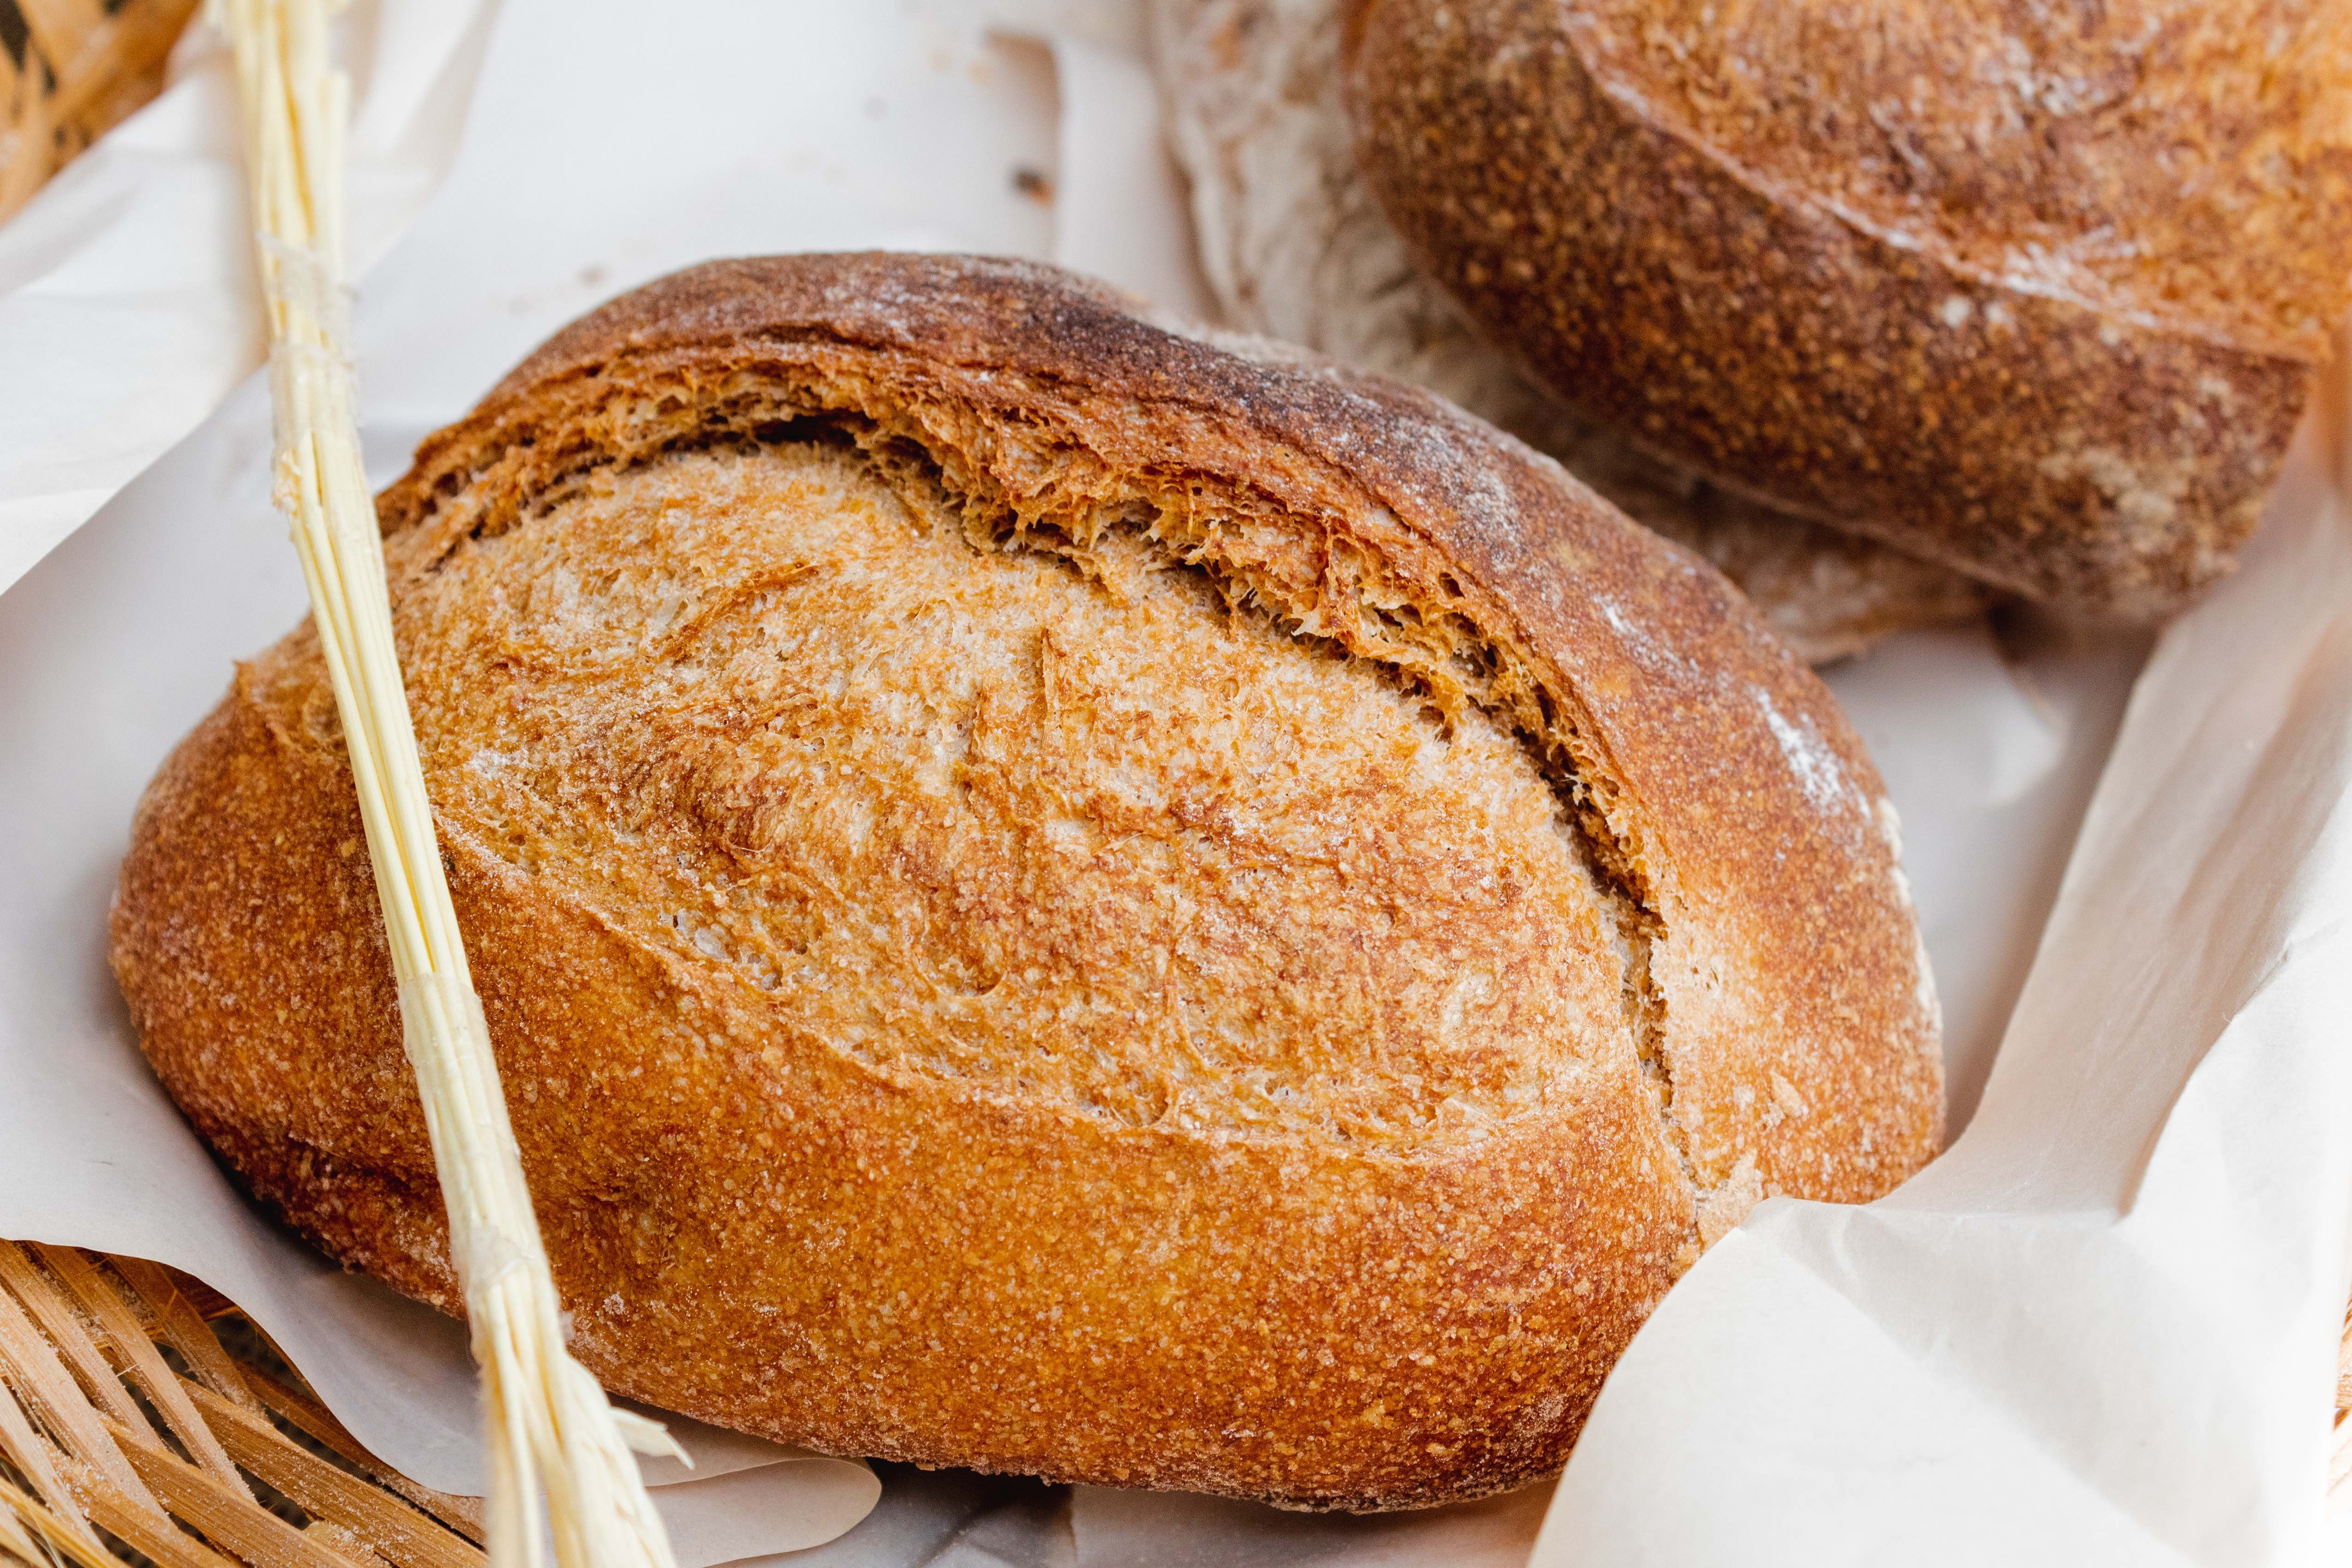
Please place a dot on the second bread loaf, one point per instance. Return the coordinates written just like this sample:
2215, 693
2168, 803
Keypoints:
2034, 292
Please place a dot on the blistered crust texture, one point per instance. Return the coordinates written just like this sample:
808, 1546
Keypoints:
1788, 244
1052, 897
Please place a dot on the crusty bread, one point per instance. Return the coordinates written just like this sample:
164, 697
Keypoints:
1054, 897
2033, 291
1295, 246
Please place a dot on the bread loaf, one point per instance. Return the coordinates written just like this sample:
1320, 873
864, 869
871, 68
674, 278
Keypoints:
1295, 246
1054, 896
2033, 291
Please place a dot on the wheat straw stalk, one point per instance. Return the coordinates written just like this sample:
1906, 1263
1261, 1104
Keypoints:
550, 1424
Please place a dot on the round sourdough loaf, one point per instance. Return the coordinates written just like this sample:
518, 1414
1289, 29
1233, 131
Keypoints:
1296, 246
1055, 896
2036, 291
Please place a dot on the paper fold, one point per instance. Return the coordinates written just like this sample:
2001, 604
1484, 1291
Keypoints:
2103, 1327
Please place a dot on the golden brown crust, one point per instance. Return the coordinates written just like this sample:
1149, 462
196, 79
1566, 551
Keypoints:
872, 1244
2041, 368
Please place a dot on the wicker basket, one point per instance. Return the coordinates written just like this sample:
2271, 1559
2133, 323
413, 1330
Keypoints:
70, 69
143, 1419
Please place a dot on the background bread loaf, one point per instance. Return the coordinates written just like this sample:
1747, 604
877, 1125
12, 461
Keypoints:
2035, 292
1053, 896
1296, 246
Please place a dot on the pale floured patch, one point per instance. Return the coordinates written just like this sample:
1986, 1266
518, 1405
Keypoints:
1819, 772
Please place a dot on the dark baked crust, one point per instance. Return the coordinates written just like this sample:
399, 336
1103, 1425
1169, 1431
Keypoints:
1297, 247
761, 1228
2094, 450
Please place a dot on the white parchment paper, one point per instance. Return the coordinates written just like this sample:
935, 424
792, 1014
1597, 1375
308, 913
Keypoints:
126, 297
2100, 1329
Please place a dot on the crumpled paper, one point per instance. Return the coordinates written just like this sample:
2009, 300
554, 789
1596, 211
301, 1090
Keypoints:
2038, 1315
128, 301
2102, 1327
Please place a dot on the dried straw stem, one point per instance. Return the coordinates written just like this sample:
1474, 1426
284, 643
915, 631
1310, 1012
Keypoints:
550, 1423
107, 1448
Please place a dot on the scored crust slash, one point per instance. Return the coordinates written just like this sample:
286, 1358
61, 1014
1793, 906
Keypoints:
1052, 895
